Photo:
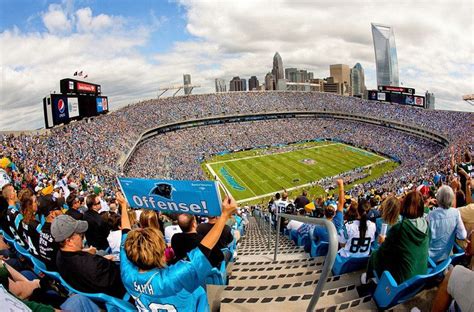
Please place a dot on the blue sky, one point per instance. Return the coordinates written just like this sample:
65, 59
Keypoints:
26, 16
132, 48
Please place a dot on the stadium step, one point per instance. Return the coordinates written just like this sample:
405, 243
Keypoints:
269, 257
347, 300
276, 290
270, 267
257, 283
279, 263
287, 269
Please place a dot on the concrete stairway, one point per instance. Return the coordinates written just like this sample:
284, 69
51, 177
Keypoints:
257, 283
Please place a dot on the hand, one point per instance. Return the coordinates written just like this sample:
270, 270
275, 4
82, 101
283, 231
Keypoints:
92, 250
340, 182
455, 184
109, 257
381, 239
229, 206
120, 198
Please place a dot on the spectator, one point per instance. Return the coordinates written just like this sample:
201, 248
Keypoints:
100, 194
150, 218
115, 235
172, 229
82, 268
358, 235
331, 213
302, 200
74, 203
98, 230
184, 242
456, 285
445, 224
146, 276
390, 215
225, 238
48, 248
404, 253
29, 225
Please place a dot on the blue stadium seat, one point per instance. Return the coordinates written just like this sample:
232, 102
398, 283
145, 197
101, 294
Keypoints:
218, 276
319, 249
304, 241
344, 265
458, 255
111, 303
7, 237
388, 293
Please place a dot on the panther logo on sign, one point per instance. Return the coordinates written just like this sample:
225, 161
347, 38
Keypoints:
163, 190
61, 106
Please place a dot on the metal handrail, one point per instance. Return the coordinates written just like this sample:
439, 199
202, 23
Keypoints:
330, 258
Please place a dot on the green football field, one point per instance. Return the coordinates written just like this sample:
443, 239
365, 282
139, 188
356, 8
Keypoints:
251, 176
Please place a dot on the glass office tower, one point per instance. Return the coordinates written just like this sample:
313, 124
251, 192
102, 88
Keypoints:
385, 55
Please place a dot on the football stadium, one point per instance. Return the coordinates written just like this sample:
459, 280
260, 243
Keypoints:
296, 193
292, 160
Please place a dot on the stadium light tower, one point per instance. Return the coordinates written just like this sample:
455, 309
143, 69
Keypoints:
386, 60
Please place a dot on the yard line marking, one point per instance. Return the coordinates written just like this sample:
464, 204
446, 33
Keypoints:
215, 176
257, 156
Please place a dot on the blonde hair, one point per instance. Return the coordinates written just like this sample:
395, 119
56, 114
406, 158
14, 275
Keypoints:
132, 217
390, 210
149, 218
145, 248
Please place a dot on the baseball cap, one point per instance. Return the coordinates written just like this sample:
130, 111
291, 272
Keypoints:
47, 203
64, 226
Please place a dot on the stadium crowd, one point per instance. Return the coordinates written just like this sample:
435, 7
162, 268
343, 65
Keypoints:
57, 189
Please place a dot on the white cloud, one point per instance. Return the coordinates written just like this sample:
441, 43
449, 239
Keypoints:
434, 38
56, 20
88, 23
434, 43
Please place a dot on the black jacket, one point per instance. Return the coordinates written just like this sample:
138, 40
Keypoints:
90, 273
98, 230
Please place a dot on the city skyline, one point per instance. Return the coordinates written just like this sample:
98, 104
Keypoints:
133, 48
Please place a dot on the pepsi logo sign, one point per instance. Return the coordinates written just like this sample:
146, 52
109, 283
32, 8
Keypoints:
61, 106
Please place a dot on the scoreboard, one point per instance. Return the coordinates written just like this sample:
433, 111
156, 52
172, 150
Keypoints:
78, 87
399, 95
77, 100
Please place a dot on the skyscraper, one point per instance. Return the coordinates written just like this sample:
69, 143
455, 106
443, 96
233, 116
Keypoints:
187, 82
269, 82
220, 85
429, 100
243, 83
358, 80
277, 70
236, 84
341, 74
385, 55
253, 83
